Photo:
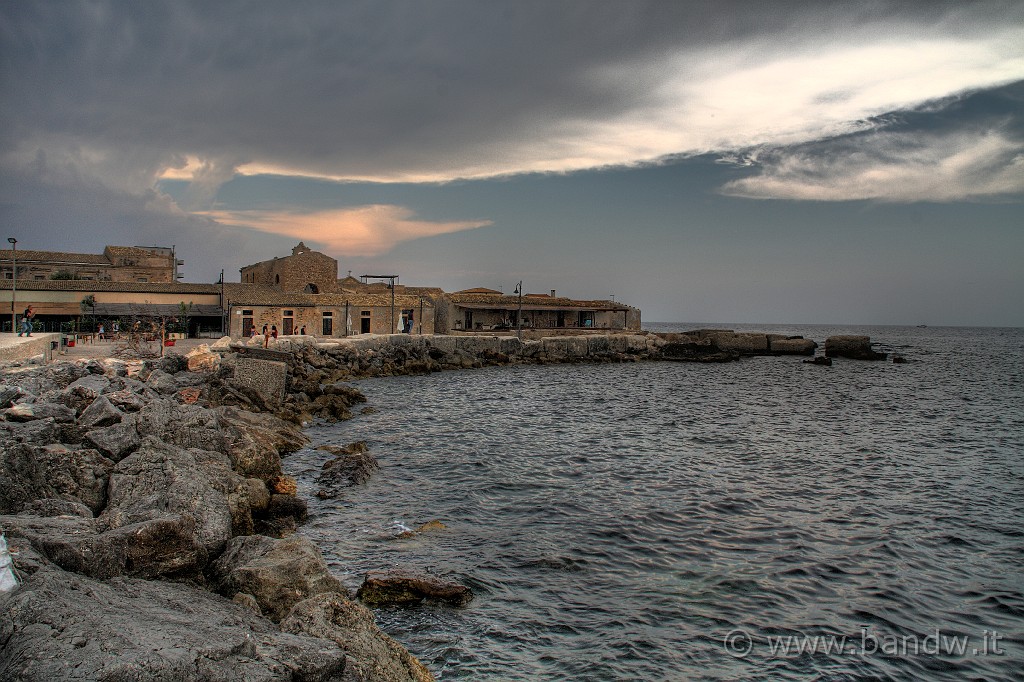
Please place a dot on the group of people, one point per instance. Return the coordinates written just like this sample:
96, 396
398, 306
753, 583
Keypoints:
271, 333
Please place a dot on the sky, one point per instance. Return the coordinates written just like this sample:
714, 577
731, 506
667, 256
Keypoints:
718, 162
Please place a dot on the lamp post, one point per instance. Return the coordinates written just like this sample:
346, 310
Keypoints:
14, 283
519, 315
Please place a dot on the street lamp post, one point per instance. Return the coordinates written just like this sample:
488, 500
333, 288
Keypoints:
519, 315
14, 283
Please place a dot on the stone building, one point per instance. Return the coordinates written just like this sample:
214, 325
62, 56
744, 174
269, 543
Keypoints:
326, 314
305, 270
475, 310
141, 264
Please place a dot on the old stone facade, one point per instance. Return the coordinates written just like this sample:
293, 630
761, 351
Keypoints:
305, 270
141, 264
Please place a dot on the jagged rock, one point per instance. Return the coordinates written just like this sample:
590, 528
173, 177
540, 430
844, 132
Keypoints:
22, 478
80, 475
187, 426
62, 374
283, 485
23, 412
255, 441
402, 587
162, 382
372, 655
287, 506
81, 392
101, 412
53, 506
277, 573
854, 347
202, 359
820, 360
160, 479
118, 440
353, 467
8, 394
38, 432
898, 360
126, 400
223, 343
60, 626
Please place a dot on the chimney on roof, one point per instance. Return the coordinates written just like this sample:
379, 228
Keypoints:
552, 293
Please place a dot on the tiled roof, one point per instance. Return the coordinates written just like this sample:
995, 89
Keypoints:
96, 285
29, 256
479, 290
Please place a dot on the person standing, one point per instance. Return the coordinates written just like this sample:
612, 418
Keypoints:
26, 321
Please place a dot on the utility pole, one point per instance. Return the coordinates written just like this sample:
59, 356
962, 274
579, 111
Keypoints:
519, 315
14, 283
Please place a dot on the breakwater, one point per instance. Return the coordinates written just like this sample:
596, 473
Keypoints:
151, 530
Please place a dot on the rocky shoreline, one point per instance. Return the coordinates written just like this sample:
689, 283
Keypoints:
152, 528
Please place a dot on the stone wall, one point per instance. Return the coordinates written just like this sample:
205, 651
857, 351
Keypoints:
15, 349
266, 377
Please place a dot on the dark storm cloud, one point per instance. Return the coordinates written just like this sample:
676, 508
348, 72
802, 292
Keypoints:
101, 99
377, 88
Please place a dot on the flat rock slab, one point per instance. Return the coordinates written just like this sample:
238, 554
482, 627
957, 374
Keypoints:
404, 587
60, 626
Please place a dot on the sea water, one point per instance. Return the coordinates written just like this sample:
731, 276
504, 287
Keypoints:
761, 520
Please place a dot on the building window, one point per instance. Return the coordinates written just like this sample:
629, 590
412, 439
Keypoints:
277, 279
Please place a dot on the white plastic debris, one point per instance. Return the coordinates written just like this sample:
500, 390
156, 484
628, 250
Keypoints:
7, 580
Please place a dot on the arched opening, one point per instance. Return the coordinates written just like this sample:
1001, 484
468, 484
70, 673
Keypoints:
277, 279
311, 289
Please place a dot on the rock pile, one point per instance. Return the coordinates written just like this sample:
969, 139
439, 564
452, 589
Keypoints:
150, 524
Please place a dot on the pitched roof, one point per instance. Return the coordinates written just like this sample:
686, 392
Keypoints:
97, 285
480, 290
30, 256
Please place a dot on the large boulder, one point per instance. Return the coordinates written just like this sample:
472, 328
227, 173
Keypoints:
118, 440
278, 573
187, 426
255, 441
372, 655
22, 478
76, 474
60, 626
160, 480
100, 412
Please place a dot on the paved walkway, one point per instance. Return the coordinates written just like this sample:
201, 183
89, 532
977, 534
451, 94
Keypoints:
14, 347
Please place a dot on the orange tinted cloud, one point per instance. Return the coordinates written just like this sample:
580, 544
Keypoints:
358, 231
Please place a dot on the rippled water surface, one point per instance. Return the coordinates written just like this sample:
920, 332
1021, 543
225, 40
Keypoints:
654, 521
